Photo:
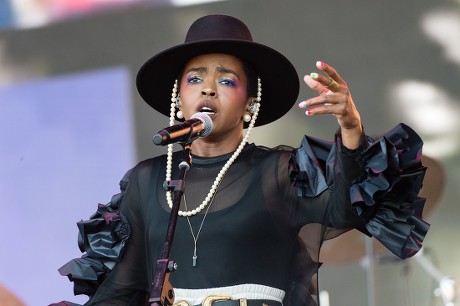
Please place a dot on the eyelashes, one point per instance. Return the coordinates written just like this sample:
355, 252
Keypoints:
195, 79
228, 82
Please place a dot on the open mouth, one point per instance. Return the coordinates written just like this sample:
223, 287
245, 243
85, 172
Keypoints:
207, 110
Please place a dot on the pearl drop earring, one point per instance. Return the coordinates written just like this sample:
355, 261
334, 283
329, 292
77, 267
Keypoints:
252, 107
247, 117
179, 113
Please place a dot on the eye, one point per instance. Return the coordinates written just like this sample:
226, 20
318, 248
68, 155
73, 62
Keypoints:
193, 79
227, 82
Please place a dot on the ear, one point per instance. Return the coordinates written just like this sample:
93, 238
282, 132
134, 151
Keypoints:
248, 102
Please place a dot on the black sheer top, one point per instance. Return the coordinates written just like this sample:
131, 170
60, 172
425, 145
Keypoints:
250, 234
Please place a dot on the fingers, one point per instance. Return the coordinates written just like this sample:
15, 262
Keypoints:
330, 71
326, 103
333, 85
332, 81
333, 94
333, 98
313, 81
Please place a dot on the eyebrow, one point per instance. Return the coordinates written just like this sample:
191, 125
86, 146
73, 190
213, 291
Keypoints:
219, 69
225, 70
198, 69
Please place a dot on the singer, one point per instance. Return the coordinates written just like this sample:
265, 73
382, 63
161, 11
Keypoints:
237, 236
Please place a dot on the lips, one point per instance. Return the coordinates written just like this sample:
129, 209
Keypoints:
208, 108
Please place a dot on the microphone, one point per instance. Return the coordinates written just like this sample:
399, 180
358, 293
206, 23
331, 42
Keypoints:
199, 125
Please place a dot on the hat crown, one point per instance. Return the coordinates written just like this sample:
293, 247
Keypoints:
218, 27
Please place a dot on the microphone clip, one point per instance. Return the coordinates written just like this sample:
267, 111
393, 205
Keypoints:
174, 185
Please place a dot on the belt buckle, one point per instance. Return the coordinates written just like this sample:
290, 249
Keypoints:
210, 300
181, 303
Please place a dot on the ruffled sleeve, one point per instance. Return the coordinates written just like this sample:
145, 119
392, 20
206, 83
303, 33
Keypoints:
393, 177
383, 189
102, 239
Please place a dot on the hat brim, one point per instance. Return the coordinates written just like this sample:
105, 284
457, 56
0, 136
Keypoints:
280, 82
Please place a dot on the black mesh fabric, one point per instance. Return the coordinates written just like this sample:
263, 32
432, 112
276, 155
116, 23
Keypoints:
249, 234
268, 219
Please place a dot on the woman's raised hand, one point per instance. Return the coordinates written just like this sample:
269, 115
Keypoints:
334, 98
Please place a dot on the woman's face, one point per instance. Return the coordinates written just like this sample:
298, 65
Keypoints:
216, 84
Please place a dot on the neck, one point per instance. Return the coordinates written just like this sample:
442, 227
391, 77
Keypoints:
207, 147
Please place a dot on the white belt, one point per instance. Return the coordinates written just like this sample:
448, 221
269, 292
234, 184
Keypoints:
247, 291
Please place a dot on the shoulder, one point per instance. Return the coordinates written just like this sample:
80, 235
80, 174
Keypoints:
266, 151
151, 162
147, 166
277, 152
256, 154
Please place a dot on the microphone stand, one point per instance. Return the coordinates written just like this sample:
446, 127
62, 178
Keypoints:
370, 272
447, 285
162, 292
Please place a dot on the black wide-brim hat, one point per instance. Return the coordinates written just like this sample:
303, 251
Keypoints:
222, 34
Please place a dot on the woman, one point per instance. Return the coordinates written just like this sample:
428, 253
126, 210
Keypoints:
243, 206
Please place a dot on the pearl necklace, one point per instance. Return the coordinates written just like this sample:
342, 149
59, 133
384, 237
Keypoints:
224, 169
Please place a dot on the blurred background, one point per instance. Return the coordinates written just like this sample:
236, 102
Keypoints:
72, 123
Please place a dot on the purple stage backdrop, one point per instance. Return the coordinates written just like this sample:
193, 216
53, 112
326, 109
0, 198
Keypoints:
65, 144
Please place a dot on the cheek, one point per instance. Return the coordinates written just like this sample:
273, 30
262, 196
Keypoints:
187, 93
243, 99
234, 96
185, 89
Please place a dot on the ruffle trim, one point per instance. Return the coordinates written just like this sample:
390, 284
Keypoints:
102, 238
394, 177
386, 193
312, 159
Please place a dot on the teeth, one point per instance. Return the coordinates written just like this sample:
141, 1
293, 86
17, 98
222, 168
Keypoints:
207, 110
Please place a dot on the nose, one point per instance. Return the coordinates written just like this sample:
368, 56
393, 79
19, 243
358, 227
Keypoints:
208, 92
